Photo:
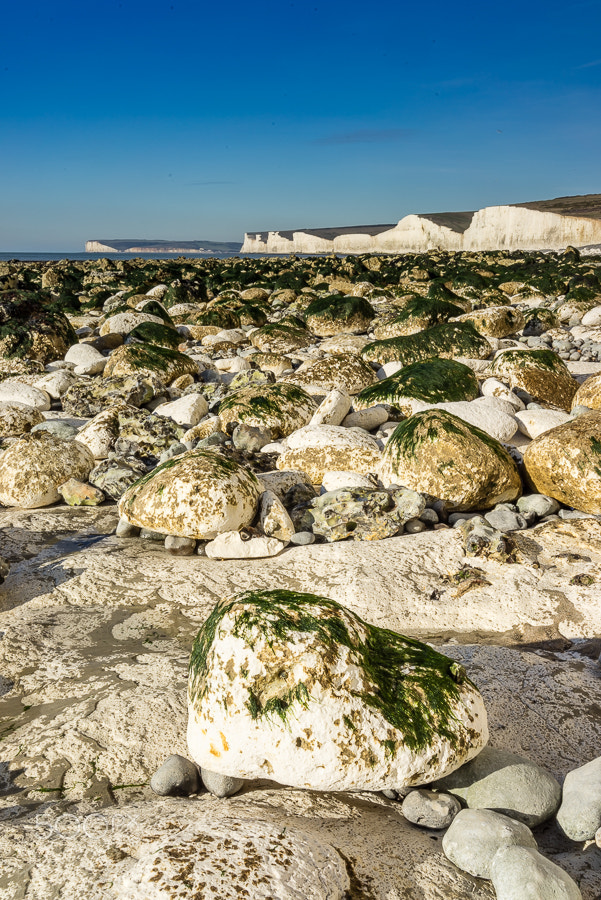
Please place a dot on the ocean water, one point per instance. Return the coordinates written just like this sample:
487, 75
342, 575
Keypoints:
42, 256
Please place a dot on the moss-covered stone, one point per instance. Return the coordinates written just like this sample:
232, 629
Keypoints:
154, 334
565, 463
281, 337
431, 381
539, 372
145, 359
199, 494
419, 313
298, 687
32, 327
444, 341
345, 371
495, 321
330, 315
436, 453
280, 407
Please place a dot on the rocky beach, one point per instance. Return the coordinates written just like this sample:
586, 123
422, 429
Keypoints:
300, 574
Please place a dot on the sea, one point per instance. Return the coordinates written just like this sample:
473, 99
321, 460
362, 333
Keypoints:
42, 256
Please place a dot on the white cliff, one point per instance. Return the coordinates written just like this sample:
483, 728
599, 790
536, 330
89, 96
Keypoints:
491, 228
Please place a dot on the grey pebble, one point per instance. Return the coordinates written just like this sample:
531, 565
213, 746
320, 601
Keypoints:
430, 809
475, 836
124, 529
180, 546
522, 873
505, 520
177, 777
414, 526
538, 504
302, 538
221, 785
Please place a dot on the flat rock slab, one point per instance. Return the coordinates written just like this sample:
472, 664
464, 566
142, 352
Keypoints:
95, 653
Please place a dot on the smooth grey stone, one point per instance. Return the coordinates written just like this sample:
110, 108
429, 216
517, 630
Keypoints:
125, 530
576, 411
579, 815
180, 546
505, 520
475, 836
454, 518
147, 534
391, 795
430, 809
220, 785
506, 782
574, 514
429, 516
177, 777
174, 450
538, 504
302, 538
522, 873
414, 526
59, 429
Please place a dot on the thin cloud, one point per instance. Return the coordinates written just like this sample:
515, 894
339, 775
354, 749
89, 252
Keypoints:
589, 65
209, 182
366, 136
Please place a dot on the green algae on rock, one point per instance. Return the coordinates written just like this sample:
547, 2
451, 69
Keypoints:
430, 381
297, 688
448, 340
146, 359
154, 334
199, 494
417, 314
541, 373
565, 463
32, 327
436, 453
345, 371
332, 314
283, 408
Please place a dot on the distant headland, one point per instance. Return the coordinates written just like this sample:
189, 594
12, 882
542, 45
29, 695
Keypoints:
535, 225
138, 245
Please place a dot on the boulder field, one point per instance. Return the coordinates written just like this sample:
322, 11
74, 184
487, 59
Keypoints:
299, 577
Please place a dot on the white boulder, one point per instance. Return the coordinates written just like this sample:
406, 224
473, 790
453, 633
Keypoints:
317, 698
34, 467
318, 449
19, 392
533, 422
187, 410
231, 545
86, 359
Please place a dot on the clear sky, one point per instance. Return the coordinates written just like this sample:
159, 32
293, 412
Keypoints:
188, 119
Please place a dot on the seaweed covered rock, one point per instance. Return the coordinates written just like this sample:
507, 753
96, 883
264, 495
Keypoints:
199, 494
144, 434
88, 398
283, 408
416, 315
125, 322
330, 315
341, 370
17, 418
147, 359
495, 321
296, 688
565, 462
445, 341
589, 393
33, 468
431, 381
541, 373
281, 337
154, 334
33, 328
437, 453
329, 448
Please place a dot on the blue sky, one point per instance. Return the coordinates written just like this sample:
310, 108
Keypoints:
189, 120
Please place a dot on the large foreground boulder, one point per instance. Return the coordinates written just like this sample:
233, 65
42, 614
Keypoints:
565, 462
437, 453
431, 381
199, 494
298, 689
35, 466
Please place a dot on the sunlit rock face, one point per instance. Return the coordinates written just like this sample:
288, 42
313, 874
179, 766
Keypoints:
296, 688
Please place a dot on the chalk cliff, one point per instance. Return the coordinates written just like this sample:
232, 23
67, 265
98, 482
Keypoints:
140, 245
539, 225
